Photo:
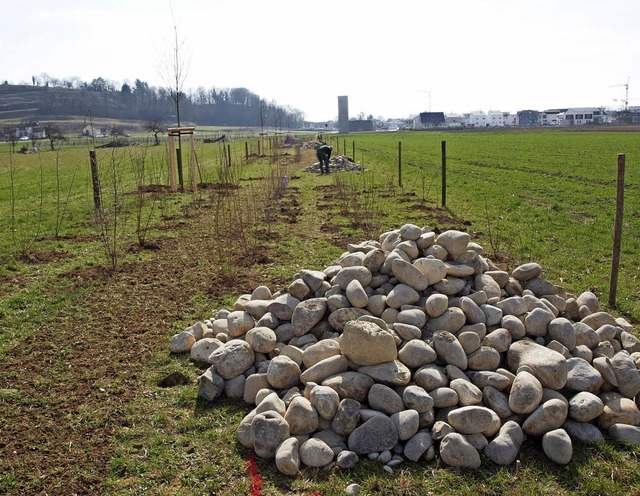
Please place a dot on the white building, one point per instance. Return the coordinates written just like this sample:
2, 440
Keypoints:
510, 119
551, 117
455, 120
495, 118
477, 118
582, 115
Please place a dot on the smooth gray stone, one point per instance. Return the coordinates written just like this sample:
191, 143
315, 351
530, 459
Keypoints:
233, 358
455, 242
449, 349
307, 314
583, 432
548, 416
504, 448
315, 453
210, 385
585, 407
347, 417
548, 366
347, 460
379, 433
385, 399
393, 373
456, 451
557, 446
417, 446
350, 384
268, 430
624, 433
287, 456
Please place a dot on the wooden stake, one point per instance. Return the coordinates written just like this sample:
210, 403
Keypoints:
173, 180
400, 163
444, 173
617, 231
95, 179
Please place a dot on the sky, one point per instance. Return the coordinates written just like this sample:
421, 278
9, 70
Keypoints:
393, 59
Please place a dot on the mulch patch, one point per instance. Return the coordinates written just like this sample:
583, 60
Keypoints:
43, 257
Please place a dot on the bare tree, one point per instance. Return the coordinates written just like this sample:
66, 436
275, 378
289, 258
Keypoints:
13, 140
154, 126
174, 71
54, 134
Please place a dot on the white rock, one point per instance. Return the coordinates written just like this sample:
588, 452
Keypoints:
548, 416
585, 407
315, 453
287, 456
182, 342
557, 446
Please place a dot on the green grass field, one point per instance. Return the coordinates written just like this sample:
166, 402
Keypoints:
84, 341
545, 195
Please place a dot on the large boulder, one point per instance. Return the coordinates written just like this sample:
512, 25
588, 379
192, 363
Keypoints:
366, 343
548, 366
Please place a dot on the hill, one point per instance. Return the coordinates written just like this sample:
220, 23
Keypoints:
98, 101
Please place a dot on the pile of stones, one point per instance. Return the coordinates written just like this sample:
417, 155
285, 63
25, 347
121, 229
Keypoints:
416, 346
339, 163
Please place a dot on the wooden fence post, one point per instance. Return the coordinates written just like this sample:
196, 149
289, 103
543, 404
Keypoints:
444, 173
173, 181
400, 163
353, 151
95, 179
617, 231
246, 150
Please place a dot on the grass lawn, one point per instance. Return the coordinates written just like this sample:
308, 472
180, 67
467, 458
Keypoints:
84, 341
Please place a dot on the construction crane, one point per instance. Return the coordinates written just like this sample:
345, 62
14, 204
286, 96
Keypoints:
429, 92
625, 102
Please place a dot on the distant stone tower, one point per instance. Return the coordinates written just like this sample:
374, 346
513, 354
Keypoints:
343, 114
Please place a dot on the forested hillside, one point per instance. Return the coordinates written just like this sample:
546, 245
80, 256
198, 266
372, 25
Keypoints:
61, 99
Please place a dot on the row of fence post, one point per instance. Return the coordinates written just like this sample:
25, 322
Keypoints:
617, 235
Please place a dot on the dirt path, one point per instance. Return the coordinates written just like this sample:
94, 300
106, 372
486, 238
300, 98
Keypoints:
64, 391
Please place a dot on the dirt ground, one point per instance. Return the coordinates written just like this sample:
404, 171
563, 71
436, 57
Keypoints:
56, 420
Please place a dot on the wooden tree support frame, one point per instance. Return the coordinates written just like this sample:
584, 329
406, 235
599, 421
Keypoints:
174, 132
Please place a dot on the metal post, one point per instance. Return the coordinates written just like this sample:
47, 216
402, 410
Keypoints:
617, 231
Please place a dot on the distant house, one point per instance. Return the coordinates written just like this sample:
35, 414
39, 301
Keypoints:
527, 118
581, 115
455, 120
510, 120
495, 118
361, 125
429, 120
477, 118
30, 129
551, 117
